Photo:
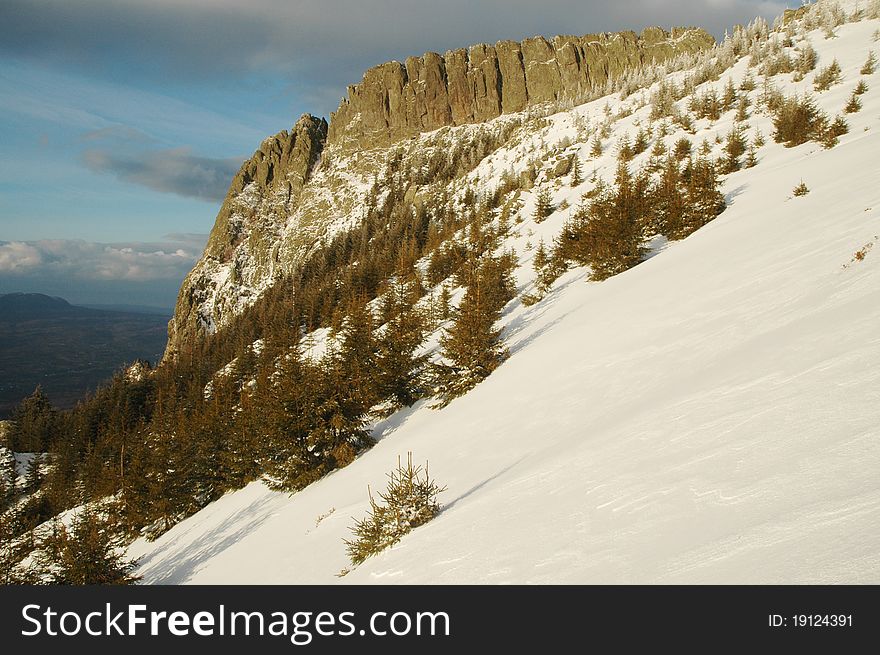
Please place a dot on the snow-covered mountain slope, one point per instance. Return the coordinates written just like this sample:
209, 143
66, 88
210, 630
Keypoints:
711, 415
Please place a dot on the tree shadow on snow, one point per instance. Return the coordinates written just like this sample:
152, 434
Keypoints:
482, 484
190, 558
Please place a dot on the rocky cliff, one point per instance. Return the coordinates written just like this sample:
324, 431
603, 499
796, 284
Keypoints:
241, 246
275, 208
399, 100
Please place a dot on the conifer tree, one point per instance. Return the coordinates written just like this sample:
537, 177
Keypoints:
33, 474
576, 174
292, 394
682, 148
8, 475
473, 345
399, 369
87, 553
703, 199
613, 231
14, 548
348, 389
669, 202
798, 120
870, 64
33, 424
409, 500
444, 307
728, 99
751, 157
734, 148
596, 148
546, 269
543, 204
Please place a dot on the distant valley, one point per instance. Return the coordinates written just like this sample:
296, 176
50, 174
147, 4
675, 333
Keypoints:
67, 349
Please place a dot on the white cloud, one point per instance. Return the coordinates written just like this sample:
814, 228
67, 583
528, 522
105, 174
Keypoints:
92, 261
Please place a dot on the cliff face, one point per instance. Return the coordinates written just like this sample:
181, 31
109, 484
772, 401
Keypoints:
275, 207
241, 245
396, 101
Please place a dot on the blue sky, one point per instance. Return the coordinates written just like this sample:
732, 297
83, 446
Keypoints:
121, 123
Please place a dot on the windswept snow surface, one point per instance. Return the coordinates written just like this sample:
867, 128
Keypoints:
710, 416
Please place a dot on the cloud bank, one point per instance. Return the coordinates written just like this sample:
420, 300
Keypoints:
87, 261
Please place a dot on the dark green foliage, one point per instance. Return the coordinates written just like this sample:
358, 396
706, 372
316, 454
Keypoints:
409, 500
15, 546
734, 148
543, 205
87, 553
472, 346
34, 424
706, 105
577, 176
798, 120
33, 475
682, 148
801, 189
703, 199
8, 476
870, 64
399, 369
610, 234
854, 104
836, 129
596, 147
827, 77
349, 376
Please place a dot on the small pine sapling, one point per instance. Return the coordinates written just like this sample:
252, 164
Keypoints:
835, 130
828, 77
870, 65
409, 500
854, 104
543, 205
682, 148
759, 140
751, 157
577, 176
800, 190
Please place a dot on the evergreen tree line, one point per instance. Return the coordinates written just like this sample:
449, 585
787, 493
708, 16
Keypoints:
607, 232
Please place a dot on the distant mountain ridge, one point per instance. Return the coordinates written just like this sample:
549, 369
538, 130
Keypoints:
39, 305
18, 304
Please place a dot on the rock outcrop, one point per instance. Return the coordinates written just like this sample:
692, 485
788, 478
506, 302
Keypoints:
399, 100
241, 242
